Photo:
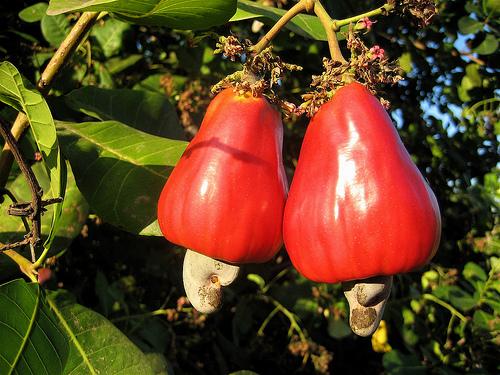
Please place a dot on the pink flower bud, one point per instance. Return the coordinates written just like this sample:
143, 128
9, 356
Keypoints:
44, 275
377, 52
366, 23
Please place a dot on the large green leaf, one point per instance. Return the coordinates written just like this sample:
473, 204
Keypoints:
144, 110
96, 345
303, 24
31, 340
74, 213
179, 14
120, 170
19, 93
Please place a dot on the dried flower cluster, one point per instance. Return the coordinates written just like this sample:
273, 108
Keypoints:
422, 10
261, 72
369, 66
231, 48
320, 356
193, 102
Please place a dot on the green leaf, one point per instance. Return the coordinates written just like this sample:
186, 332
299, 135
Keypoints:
120, 170
488, 46
33, 13
467, 25
118, 64
483, 321
73, 216
461, 299
305, 25
473, 272
405, 62
244, 372
96, 345
151, 83
179, 14
471, 79
55, 28
144, 110
31, 341
18, 93
110, 35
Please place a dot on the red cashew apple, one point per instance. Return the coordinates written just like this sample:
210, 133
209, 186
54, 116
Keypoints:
225, 197
358, 207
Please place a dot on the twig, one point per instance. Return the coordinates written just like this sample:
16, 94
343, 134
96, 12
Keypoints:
60, 58
301, 6
384, 10
327, 23
34, 209
450, 308
7, 192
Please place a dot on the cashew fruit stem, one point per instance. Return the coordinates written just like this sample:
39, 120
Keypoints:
204, 278
367, 299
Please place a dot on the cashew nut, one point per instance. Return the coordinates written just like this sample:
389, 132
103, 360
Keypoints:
367, 299
204, 278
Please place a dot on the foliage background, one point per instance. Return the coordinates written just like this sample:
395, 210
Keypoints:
443, 319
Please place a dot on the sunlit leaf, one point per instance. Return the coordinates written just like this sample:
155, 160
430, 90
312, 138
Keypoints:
96, 345
144, 110
120, 170
180, 14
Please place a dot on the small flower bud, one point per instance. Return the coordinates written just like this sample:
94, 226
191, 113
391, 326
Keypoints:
367, 23
377, 53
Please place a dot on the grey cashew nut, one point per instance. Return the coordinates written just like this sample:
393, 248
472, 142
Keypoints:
204, 278
367, 299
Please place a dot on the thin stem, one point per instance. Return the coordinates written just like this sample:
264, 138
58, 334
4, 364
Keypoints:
301, 6
294, 326
447, 306
41, 258
4, 191
327, 23
274, 279
266, 321
60, 58
386, 8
